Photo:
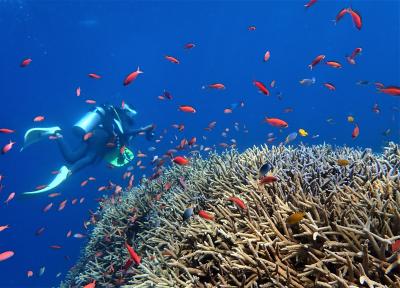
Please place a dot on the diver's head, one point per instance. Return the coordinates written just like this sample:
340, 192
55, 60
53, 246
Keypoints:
130, 114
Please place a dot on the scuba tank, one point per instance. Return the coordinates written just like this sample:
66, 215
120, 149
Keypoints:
88, 122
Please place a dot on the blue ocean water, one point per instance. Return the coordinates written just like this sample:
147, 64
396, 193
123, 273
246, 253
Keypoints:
66, 40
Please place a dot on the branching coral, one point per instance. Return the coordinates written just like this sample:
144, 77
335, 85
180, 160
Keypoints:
352, 217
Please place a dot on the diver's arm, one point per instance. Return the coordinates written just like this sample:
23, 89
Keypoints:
147, 129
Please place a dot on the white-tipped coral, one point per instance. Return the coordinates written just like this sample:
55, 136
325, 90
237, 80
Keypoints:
343, 238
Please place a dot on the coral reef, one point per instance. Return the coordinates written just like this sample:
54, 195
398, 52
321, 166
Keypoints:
343, 238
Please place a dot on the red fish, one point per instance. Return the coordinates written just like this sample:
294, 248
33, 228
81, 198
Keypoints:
391, 90
62, 205
6, 255
135, 257
276, 122
252, 28
355, 52
396, 245
263, 89
90, 101
6, 131
4, 227
228, 111
25, 62
238, 202
356, 132
189, 46
94, 76
330, 86
78, 91
38, 119
316, 60
181, 160
7, 147
356, 18
29, 273
172, 59
267, 55
84, 182
268, 179
55, 247
341, 14
310, 3
186, 108
132, 76
205, 215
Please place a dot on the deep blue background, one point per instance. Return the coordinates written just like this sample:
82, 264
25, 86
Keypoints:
67, 40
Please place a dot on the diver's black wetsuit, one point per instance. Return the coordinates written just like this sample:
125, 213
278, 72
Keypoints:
96, 146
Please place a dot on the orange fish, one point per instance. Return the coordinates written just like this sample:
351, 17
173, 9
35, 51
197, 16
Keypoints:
252, 28
55, 247
295, 218
134, 256
74, 201
90, 101
7, 147
334, 64
4, 227
330, 86
276, 122
215, 86
192, 141
78, 91
38, 119
6, 255
91, 284
267, 55
263, 89
172, 59
29, 273
356, 132
180, 160
25, 62
238, 202
47, 207
356, 18
205, 215
132, 76
228, 111
186, 108
6, 131
316, 60
62, 205
52, 195
94, 76
69, 233
10, 197
92, 179
84, 183
87, 136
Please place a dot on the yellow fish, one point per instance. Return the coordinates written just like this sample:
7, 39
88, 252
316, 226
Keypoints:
343, 162
303, 132
350, 119
295, 218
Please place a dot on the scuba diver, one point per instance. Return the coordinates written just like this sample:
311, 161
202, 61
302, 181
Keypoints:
105, 132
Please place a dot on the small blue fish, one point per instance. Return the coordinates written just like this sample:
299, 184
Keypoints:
187, 213
291, 137
264, 169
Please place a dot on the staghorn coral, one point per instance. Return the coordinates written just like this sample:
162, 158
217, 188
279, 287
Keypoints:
352, 218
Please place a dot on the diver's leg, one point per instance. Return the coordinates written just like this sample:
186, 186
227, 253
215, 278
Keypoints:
88, 159
70, 155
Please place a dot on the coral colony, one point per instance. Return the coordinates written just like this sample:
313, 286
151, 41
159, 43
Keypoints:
323, 217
